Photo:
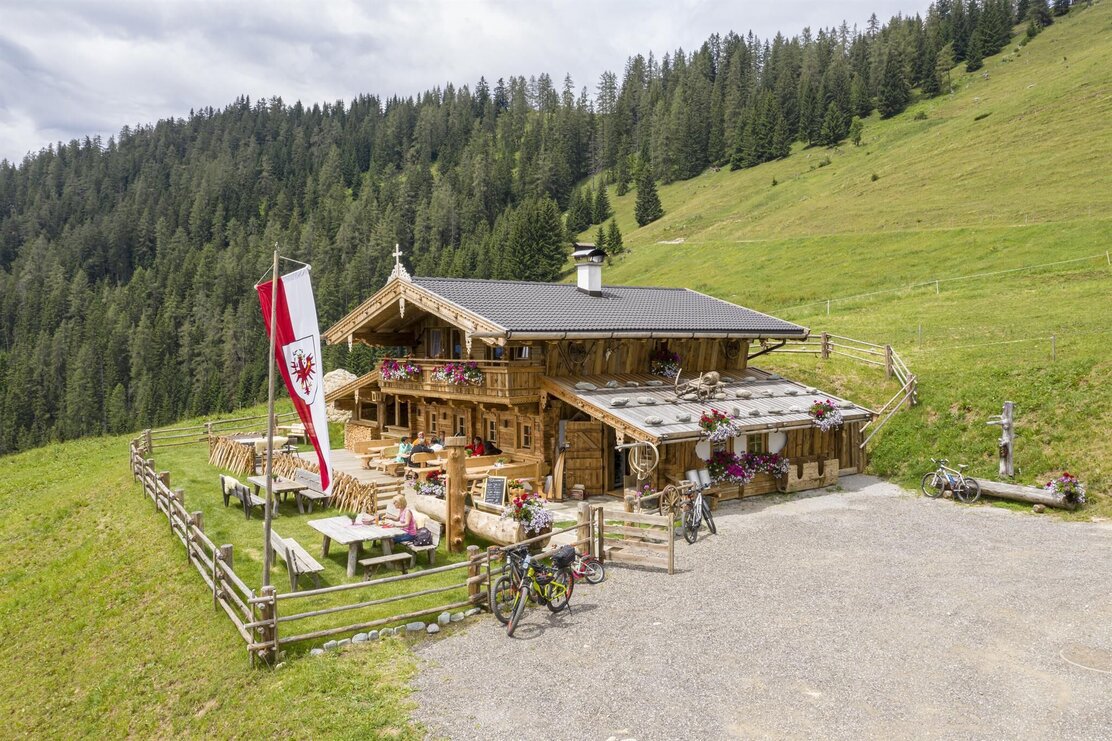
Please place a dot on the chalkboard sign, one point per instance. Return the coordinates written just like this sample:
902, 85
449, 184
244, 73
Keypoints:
495, 491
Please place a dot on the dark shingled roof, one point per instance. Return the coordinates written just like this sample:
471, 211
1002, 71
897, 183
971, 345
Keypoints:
525, 307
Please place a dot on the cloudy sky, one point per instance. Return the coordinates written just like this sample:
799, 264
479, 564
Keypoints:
70, 69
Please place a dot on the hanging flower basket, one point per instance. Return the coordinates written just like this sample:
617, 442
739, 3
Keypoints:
664, 362
718, 427
458, 374
394, 370
433, 485
773, 464
727, 468
826, 415
1069, 488
528, 509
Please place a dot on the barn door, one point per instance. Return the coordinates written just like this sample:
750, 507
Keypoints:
584, 462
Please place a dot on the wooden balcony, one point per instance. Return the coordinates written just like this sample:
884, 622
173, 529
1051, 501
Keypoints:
503, 381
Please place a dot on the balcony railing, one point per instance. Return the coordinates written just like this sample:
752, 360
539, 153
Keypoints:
502, 380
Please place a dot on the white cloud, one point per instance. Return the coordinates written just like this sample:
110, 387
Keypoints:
71, 69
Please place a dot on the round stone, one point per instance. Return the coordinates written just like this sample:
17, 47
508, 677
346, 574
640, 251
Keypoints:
434, 628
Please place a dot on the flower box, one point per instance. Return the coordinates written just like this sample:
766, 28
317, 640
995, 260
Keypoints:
458, 374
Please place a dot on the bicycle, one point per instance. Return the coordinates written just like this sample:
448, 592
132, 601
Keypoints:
587, 567
696, 510
551, 586
934, 483
554, 593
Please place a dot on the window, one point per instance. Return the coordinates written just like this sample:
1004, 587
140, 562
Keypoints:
526, 436
461, 424
492, 430
522, 353
756, 443
436, 343
457, 344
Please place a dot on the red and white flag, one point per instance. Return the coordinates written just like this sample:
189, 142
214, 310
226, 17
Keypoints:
297, 353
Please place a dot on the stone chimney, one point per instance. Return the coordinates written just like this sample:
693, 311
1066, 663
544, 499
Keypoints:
588, 266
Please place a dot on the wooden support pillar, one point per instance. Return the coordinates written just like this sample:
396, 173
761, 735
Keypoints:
454, 495
269, 630
474, 562
583, 521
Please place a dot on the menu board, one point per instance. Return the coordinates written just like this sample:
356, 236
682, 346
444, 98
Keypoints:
495, 491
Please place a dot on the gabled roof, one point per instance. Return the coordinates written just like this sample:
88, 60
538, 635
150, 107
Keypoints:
541, 310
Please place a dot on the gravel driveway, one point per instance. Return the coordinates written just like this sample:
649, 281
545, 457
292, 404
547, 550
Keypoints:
867, 613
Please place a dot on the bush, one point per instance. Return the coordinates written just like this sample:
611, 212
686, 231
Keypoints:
774, 183
824, 162
921, 116
875, 177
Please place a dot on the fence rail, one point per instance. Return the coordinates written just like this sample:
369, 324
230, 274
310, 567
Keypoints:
868, 353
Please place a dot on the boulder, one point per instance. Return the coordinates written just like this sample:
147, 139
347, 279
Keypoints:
585, 386
386, 632
359, 638
330, 645
317, 652
444, 618
434, 628
619, 401
653, 421
372, 636
472, 611
1039, 509
646, 400
343, 642
414, 627
611, 384
457, 616
332, 381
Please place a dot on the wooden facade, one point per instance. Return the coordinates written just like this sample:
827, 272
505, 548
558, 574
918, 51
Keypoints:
512, 406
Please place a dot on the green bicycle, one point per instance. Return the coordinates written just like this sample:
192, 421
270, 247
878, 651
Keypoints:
551, 587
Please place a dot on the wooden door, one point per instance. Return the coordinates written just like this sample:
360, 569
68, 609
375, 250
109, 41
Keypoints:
585, 462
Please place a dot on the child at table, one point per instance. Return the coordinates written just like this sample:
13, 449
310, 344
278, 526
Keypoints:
405, 520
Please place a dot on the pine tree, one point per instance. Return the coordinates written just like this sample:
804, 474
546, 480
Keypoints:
600, 237
834, 126
943, 66
536, 249
614, 239
974, 56
856, 128
647, 208
859, 100
932, 81
1039, 14
579, 212
602, 210
894, 91
1061, 7
623, 177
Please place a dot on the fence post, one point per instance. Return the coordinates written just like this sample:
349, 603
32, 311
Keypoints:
222, 556
474, 561
268, 615
887, 361
824, 352
601, 553
148, 440
671, 544
583, 519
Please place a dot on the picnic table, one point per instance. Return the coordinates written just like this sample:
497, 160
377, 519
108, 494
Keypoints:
280, 486
341, 530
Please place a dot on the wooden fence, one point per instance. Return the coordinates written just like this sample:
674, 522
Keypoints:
168, 437
262, 618
826, 345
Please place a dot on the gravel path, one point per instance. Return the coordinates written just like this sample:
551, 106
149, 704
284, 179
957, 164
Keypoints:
868, 613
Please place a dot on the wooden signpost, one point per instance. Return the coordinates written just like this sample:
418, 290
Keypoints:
456, 471
1006, 422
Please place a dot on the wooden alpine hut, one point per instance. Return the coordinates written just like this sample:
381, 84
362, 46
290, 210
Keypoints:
560, 376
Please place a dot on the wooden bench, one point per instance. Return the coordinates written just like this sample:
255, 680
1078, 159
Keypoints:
297, 559
417, 469
231, 487
434, 528
370, 565
386, 462
312, 493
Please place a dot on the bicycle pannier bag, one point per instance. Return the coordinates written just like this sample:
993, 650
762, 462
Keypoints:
563, 557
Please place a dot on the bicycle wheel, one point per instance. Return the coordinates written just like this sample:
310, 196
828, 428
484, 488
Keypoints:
690, 525
970, 491
931, 485
710, 520
559, 591
518, 611
502, 599
593, 571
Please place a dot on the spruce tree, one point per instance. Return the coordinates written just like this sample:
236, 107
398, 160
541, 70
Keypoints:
1039, 14
943, 66
856, 128
895, 91
600, 237
614, 239
859, 100
602, 210
833, 126
974, 56
1061, 7
932, 81
647, 208
579, 213
622, 177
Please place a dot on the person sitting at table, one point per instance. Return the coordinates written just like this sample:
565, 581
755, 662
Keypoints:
437, 444
420, 447
476, 446
405, 449
405, 520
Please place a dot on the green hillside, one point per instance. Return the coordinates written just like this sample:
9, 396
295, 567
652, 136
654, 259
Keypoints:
1009, 171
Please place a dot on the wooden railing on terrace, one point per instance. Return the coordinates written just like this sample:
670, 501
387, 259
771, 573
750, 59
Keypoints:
502, 380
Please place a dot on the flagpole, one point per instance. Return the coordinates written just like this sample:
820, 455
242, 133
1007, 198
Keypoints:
268, 555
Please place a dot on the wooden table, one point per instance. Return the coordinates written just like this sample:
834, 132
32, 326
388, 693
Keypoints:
280, 486
342, 531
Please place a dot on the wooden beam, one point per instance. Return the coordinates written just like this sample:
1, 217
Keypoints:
385, 339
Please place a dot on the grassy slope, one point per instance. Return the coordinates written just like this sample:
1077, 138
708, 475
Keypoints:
1027, 184
108, 632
